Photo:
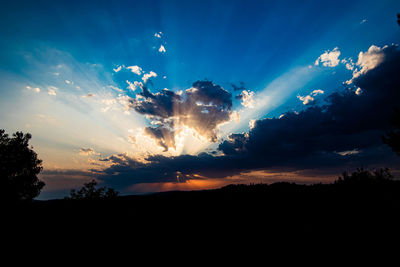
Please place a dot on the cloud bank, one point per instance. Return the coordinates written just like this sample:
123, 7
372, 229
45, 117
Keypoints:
347, 129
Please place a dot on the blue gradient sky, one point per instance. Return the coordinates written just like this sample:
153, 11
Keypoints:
69, 50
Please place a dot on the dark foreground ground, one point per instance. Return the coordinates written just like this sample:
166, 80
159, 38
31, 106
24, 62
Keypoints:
260, 211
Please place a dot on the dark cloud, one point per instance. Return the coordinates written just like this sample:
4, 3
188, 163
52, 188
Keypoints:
348, 121
164, 136
239, 87
202, 108
306, 140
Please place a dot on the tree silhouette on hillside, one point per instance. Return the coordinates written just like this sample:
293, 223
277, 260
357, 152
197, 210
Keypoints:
90, 192
19, 167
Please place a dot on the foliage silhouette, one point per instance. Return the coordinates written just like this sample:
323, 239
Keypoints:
392, 138
363, 177
19, 167
90, 192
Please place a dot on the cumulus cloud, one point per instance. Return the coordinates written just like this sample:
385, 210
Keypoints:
162, 49
158, 34
203, 107
247, 98
329, 58
148, 76
309, 98
135, 69
368, 60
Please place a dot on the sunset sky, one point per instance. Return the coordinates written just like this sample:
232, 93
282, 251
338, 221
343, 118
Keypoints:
149, 96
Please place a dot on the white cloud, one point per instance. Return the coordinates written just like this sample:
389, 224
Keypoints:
36, 89
148, 75
118, 68
348, 63
248, 99
68, 82
329, 58
158, 34
162, 49
363, 21
309, 98
306, 99
316, 92
135, 69
52, 90
358, 91
368, 61
133, 86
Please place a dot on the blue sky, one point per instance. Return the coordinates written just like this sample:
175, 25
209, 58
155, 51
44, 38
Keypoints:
58, 62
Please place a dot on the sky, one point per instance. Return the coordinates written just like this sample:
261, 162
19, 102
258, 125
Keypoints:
148, 96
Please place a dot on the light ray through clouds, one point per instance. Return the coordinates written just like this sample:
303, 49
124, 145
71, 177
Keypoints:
73, 81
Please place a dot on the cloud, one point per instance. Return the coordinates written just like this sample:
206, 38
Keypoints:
116, 88
369, 60
135, 69
329, 58
89, 95
239, 87
247, 98
158, 34
349, 64
87, 152
363, 21
202, 108
309, 98
148, 76
348, 152
346, 132
118, 69
162, 49
133, 86
36, 89
69, 82
52, 90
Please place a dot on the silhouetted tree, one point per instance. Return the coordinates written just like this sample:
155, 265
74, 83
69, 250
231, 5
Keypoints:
19, 167
90, 192
392, 137
365, 177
